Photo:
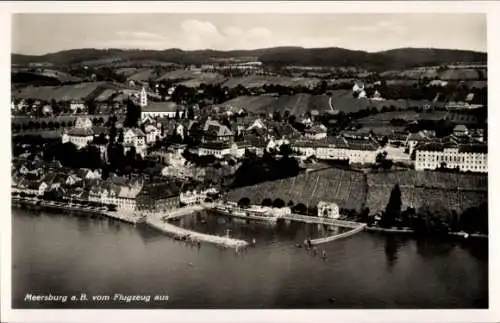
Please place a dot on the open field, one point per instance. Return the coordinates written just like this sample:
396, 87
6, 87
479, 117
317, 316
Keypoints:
409, 115
450, 74
254, 104
301, 103
297, 104
255, 81
142, 75
346, 188
67, 119
203, 78
45, 134
460, 74
477, 84
79, 91
60, 76
184, 75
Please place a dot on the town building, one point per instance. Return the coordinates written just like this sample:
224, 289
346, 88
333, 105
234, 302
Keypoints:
134, 137
339, 148
211, 131
414, 139
77, 106
464, 157
328, 210
118, 192
460, 130
159, 196
81, 135
153, 133
316, 132
161, 110
196, 196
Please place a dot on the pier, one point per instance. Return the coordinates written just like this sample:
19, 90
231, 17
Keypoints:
320, 220
361, 227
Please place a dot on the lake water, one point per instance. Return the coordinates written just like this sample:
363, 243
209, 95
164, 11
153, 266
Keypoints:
69, 255
263, 231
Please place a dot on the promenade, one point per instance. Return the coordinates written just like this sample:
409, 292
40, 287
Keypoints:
121, 215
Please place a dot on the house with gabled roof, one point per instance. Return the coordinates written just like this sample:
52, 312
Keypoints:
134, 137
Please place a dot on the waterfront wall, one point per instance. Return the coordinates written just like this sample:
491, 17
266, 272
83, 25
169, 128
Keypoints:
129, 217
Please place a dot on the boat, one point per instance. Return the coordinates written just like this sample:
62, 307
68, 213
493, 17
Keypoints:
249, 215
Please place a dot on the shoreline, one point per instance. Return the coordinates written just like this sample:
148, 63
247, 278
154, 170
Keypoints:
121, 215
410, 231
155, 220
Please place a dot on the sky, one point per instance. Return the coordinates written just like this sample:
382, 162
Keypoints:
37, 34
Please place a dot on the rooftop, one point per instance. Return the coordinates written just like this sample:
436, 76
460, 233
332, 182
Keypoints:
161, 107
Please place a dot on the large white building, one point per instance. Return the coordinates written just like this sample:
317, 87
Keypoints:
465, 157
161, 110
81, 135
360, 151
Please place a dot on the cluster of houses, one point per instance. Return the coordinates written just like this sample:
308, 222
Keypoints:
258, 135
135, 194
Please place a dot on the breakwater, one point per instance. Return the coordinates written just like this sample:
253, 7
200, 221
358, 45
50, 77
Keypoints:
160, 223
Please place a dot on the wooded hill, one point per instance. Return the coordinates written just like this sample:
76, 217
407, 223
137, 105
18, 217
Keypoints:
333, 56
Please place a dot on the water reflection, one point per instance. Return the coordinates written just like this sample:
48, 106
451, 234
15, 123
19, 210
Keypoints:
391, 250
434, 247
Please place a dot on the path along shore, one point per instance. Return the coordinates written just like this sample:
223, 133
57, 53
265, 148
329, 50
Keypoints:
121, 215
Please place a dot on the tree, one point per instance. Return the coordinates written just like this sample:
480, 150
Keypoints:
267, 202
290, 203
133, 114
120, 136
244, 202
393, 208
278, 203
300, 208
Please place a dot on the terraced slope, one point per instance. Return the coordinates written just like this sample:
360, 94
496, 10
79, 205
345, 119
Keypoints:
346, 188
457, 191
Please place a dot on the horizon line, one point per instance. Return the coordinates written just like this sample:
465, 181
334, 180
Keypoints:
250, 49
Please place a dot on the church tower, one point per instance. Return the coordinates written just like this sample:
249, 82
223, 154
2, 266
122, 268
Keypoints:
143, 98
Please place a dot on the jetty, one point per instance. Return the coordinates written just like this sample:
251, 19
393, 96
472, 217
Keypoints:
160, 222
321, 220
354, 226
361, 227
